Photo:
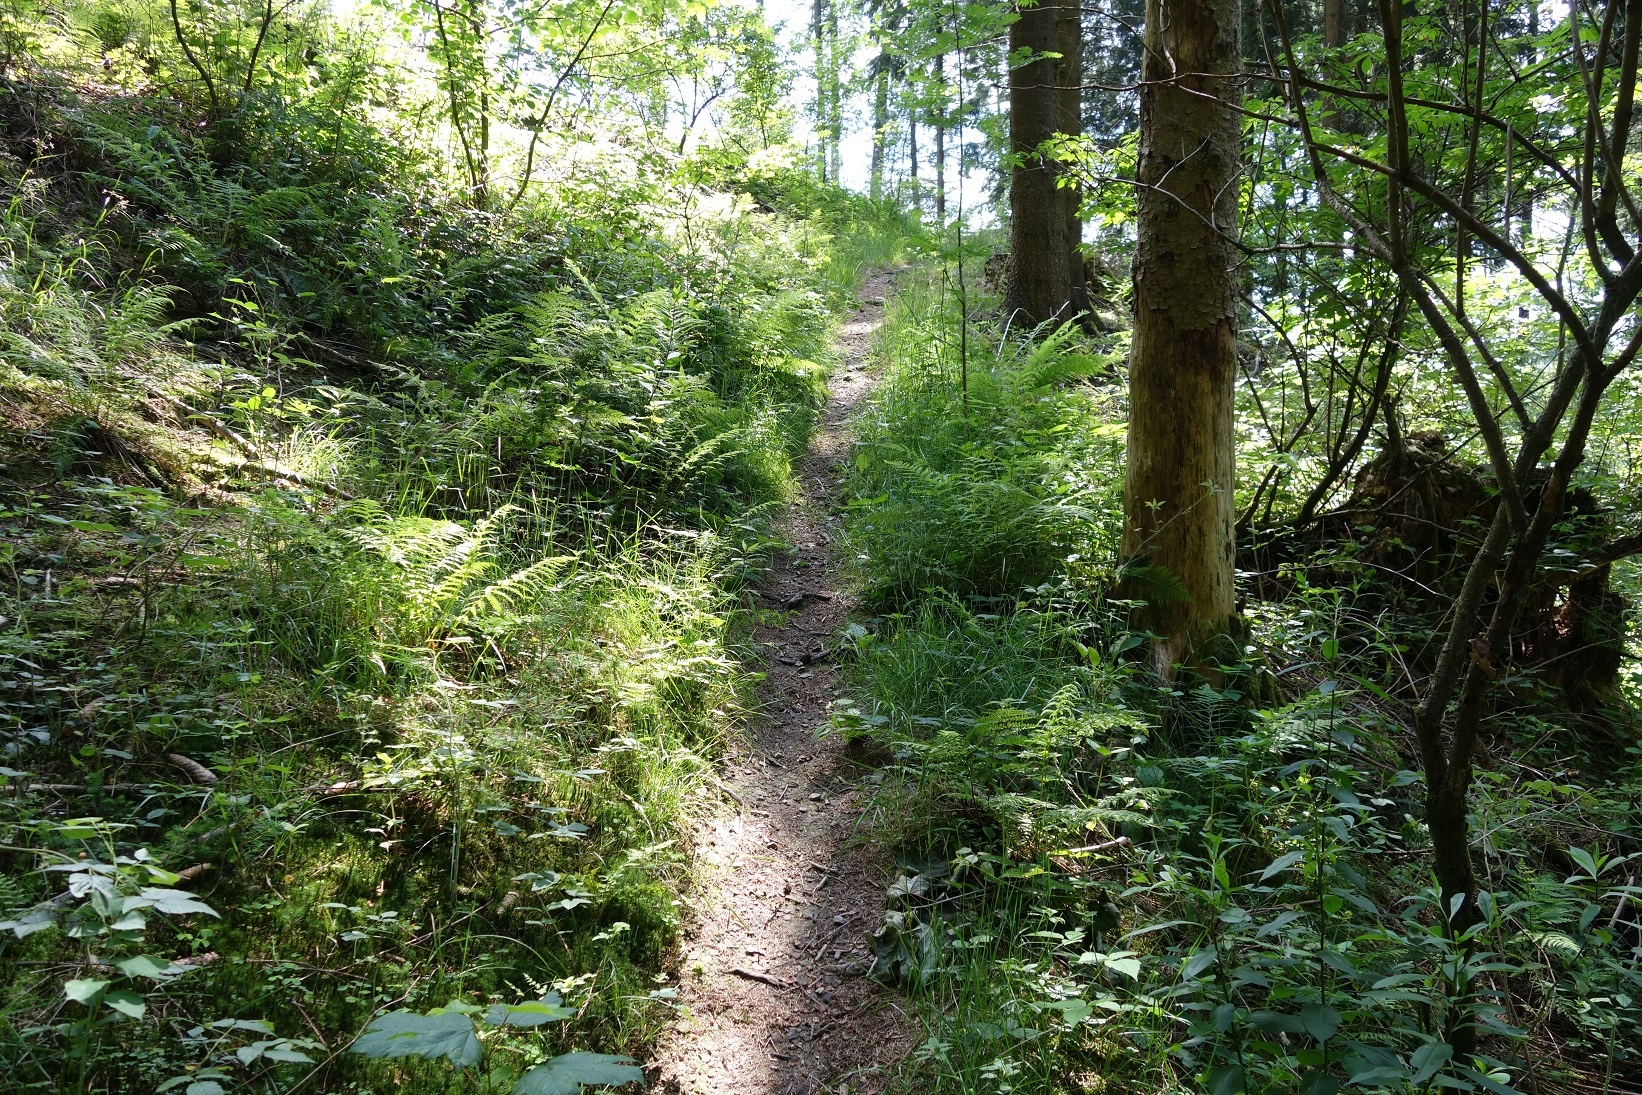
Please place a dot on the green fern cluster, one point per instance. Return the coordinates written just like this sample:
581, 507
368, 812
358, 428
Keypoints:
980, 480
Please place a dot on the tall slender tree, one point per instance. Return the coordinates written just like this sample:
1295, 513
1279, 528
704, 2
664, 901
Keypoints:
1070, 35
879, 72
826, 74
835, 94
1178, 508
938, 120
1039, 283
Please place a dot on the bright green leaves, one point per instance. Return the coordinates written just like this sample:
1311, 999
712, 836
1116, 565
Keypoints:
127, 1003
452, 1033
1119, 962
412, 1034
146, 965
568, 1073
91, 992
169, 902
84, 991
533, 1013
1074, 1010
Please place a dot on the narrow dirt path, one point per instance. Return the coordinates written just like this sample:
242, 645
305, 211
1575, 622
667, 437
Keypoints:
773, 977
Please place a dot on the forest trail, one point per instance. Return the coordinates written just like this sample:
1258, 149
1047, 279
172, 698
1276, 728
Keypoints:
774, 972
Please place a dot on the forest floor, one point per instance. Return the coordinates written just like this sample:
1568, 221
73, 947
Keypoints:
777, 1001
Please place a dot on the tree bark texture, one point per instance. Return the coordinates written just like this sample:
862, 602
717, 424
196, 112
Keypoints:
880, 123
1070, 33
1178, 504
835, 99
912, 151
1039, 283
938, 119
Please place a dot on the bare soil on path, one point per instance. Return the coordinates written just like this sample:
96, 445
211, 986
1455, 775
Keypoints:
773, 980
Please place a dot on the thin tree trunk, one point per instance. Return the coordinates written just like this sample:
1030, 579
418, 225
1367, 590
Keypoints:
1039, 285
880, 123
818, 39
939, 120
835, 101
1178, 504
912, 152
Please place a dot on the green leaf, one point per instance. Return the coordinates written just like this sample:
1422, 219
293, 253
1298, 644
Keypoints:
1586, 861
1074, 1011
1199, 962
568, 1073
169, 902
126, 1002
1318, 1083
1483, 1079
1320, 1021
35, 920
1161, 585
1560, 944
410, 1034
1225, 1080
1129, 967
1282, 863
532, 1013
83, 992
145, 965
204, 1087
272, 1049
1429, 1059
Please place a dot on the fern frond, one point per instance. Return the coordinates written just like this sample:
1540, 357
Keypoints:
506, 595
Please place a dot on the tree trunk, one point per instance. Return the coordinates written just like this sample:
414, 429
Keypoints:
835, 100
880, 124
1334, 23
939, 119
1178, 504
912, 154
818, 38
1070, 33
1039, 285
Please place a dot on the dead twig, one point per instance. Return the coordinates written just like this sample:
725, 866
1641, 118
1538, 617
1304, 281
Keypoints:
761, 978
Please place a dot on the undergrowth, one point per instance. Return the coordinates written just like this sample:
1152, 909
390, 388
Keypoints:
371, 619
1112, 885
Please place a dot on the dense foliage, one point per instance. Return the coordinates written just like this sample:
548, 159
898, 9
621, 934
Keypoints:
1109, 884
398, 401
372, 545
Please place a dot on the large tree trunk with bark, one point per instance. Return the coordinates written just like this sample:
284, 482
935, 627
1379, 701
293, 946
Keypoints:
1178, 505
1039, 284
